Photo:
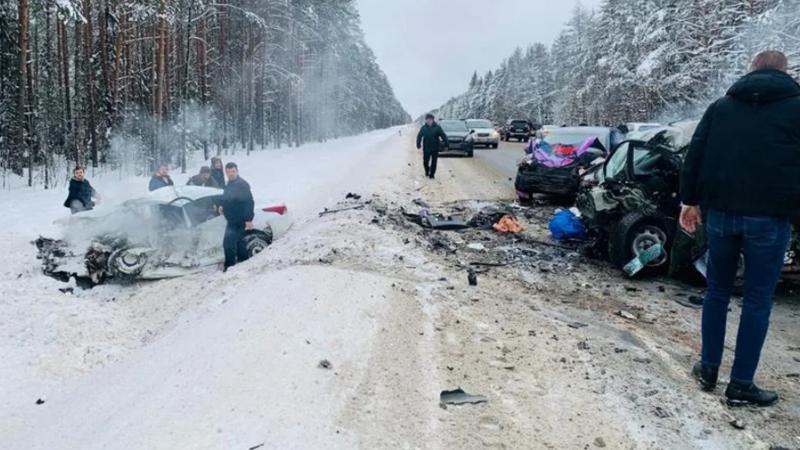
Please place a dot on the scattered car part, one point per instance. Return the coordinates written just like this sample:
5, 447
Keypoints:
459, 397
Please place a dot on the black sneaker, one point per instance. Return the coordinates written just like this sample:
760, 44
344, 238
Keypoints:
707, 376
739, 394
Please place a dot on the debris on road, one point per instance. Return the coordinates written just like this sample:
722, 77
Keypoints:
459, 397
644, 258
738, 424
626, 315
472, 278
325, 364
508, 224
352, 196
565, 225
40, 401
693, 302
334, 211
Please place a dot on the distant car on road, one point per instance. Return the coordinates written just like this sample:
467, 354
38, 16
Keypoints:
168, 233
484, 133
459, 139
554, 165
518, 129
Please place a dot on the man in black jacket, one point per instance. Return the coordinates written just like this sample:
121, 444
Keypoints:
81, 192
743, 170
430, 140
239, 209
204, 179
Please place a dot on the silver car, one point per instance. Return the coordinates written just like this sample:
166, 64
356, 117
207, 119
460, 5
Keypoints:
483, 132
167, 233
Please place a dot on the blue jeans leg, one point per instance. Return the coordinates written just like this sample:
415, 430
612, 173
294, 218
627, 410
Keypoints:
724, 247
765, 243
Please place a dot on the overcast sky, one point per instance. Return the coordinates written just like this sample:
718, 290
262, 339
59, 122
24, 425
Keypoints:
429, 48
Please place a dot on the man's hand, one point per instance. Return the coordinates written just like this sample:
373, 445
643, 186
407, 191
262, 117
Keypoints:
690, 218
249, 226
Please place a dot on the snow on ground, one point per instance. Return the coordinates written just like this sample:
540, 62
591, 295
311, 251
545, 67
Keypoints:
51, 340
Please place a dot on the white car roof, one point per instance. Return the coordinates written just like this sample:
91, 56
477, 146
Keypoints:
170, 193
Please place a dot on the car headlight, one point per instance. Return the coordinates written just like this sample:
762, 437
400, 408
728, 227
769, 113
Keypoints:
494, 134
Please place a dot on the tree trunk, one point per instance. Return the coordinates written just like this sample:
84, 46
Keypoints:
24, 18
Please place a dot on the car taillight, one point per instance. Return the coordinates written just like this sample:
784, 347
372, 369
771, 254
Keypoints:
281, 210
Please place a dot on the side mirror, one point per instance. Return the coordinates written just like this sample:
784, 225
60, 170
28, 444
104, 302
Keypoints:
471, 131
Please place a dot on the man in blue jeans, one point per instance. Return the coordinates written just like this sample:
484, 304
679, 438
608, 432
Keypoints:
742, 171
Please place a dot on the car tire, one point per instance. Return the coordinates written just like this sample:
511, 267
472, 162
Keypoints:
257, 241
126, 266
525, 201
637, 231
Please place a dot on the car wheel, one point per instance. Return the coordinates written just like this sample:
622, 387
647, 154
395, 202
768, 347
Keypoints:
126, 264
527, 139
634, 234
525, 201
257, 241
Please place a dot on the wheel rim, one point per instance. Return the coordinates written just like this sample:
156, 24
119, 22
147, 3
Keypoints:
646, 237
256, 246
128, 263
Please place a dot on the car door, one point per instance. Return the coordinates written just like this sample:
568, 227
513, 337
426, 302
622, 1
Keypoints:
208, 229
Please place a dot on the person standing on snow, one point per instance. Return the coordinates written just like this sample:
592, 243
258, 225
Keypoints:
161, 178
430, 140
218, 171
203, 179
741, 177
81, 192
238, 208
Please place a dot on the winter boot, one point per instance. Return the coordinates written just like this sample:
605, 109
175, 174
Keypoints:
706, 375
740, 394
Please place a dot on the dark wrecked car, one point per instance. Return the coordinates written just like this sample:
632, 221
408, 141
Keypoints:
554, 165
631, 203
459, 139
167, 233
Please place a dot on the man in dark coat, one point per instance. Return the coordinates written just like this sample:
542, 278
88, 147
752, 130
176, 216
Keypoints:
81, 192
218, 171
743, 171
161, 178
203, 179
238, 208
430, 140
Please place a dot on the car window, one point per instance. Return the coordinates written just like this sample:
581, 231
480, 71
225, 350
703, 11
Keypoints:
453, 125
615, 167
645, 162
170, 217
472, 124
519, 123
202, 210
556, 137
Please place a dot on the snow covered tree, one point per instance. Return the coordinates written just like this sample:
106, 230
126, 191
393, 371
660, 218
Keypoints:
138, 82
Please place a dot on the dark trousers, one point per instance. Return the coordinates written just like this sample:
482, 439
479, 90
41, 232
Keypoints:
234, 245
763, 241
429, 160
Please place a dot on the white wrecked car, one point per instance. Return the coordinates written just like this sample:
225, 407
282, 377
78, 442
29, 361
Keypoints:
168, 233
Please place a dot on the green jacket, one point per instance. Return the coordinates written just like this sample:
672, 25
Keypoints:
429, 137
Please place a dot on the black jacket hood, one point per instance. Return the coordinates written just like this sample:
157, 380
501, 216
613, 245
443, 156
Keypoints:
764, 86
